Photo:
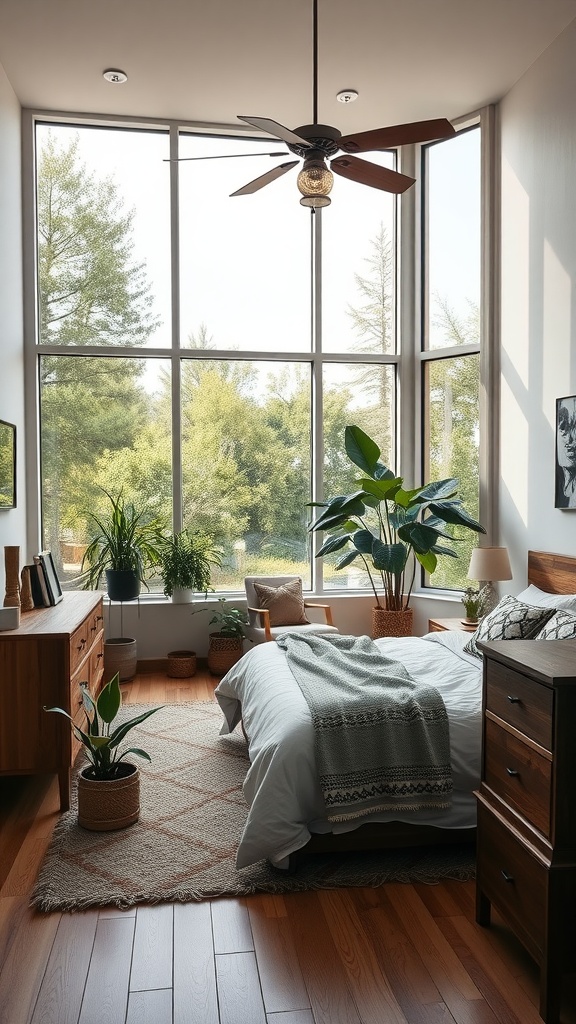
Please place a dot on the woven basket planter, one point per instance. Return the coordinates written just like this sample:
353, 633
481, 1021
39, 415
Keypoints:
108, 804
223, 652
181, 664
389, 623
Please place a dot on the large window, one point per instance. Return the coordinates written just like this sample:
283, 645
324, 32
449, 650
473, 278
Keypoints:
203, 354
451, 291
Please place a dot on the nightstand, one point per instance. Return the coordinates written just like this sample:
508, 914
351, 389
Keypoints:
526, 836
440, 625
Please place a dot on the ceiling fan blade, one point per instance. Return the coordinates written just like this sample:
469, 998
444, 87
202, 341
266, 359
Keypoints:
265, 179
367, 173
221, 156
397, 135
273, 128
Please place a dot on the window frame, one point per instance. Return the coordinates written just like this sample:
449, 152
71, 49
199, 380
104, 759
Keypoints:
407, 359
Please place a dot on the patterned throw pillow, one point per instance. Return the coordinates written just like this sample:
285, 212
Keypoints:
562, 626
510, 620
285, 603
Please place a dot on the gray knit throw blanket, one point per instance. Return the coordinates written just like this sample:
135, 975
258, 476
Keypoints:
381, 739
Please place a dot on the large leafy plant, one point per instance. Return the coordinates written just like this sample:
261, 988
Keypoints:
388, 527
101, 739
125, 538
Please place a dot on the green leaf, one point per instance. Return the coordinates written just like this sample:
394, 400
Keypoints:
135, 750
363, 541
333, 544
428, 560
347, 560
385, 490
439, 489
421, 537
361, 449
118, 735
454, 512
109, 701
389, 557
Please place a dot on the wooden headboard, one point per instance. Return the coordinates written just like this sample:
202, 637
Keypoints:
554, 573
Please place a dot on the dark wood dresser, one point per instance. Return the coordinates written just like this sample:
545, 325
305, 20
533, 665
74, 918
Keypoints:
42, 664
526, 840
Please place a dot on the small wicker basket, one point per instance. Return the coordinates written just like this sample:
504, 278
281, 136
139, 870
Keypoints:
181, 664
223, 652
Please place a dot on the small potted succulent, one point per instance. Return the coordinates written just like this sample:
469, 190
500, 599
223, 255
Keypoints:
109, 786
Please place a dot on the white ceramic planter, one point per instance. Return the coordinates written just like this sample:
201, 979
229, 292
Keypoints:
182, 595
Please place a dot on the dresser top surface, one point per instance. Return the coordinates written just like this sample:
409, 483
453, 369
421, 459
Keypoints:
58, 620
551, 661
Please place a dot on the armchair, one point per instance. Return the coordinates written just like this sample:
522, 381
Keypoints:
264, 624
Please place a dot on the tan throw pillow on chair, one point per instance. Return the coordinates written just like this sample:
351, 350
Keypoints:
285, 603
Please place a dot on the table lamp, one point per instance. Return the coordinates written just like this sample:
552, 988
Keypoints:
488, 565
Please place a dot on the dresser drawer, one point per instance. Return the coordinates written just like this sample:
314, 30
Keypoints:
80, 642
514, 880
519, 775
522, 702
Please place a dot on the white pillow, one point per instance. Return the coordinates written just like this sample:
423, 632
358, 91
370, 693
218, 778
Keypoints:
533, 595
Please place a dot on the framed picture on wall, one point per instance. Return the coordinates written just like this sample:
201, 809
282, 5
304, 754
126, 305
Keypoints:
7, 465
566, 452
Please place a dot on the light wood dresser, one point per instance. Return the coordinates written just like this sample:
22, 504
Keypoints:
42, 664
526, 839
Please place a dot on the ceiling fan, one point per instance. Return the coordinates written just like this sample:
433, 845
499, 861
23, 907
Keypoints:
319, 144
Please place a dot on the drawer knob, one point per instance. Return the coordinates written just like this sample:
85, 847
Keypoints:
512, 771
506, 876
81, 644
100, 654
514, 700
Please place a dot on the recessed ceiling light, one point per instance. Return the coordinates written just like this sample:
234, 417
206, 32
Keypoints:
115, 76
347, 96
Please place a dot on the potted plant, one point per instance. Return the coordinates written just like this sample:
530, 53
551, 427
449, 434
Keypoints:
473, 601
125, 545
390, 529
185, 565
109, 786
226, 645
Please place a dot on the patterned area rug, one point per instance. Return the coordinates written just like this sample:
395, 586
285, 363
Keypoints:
192, 816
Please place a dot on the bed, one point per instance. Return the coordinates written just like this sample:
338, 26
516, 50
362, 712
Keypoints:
287, 815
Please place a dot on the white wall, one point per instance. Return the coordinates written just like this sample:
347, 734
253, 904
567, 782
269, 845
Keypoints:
12, 521
538, 362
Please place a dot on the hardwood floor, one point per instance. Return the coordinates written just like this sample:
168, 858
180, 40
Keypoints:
400, 954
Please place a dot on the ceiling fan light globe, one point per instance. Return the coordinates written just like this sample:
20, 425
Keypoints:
315, 179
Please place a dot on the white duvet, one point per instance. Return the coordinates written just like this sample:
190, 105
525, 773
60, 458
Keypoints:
281, 787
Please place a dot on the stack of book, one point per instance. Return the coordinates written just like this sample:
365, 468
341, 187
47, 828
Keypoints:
46, 589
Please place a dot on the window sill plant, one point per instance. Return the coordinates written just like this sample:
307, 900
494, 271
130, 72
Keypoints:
125, 544
185, 565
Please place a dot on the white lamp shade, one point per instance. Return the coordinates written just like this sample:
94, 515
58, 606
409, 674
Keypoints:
489, 564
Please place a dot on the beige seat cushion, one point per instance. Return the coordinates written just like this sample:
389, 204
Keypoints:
285, 603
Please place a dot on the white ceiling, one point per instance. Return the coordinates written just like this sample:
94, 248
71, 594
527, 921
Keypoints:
209, 61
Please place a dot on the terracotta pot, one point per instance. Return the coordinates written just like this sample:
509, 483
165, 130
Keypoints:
390, 623
223, 652
108, 804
